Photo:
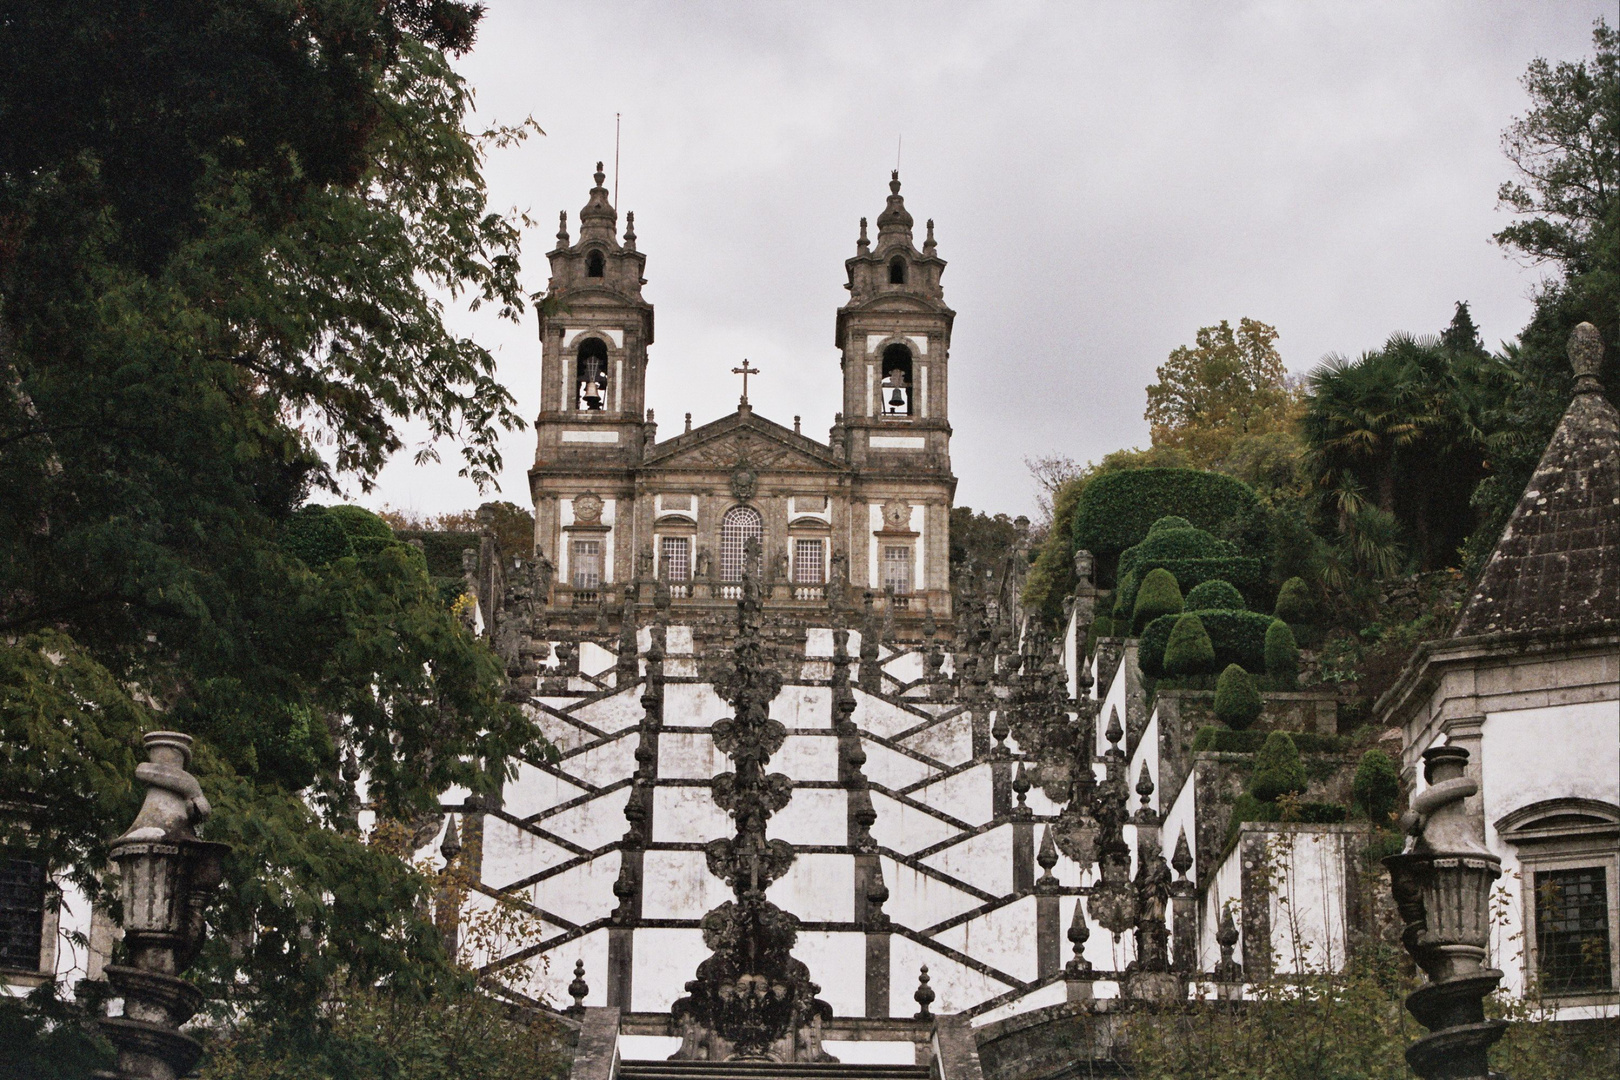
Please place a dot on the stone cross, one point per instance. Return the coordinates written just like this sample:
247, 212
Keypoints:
745, 371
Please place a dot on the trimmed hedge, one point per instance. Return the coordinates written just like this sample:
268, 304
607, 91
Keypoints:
1278, 771
1295, 604
1282, 655
315, 536
1165, 544
1188, 649
1237, 699
1210, 737
1246, 574
1217, 595
1169, 521
367, 532
1159, 595
1377, 786
1239, 638
442, 549
1117, 509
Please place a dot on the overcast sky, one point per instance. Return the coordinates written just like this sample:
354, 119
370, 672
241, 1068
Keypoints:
1104, 178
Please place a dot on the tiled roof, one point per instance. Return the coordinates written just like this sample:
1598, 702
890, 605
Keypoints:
1557, 565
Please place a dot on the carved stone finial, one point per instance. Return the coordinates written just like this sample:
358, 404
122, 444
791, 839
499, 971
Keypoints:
1079, 967
924, 997
1227, 970
562, 227
578, 988
1181, 861
928, 243
1047, 857
600, 175
630, 230
1586, 357
450, 846
1020, 786
1114, 732
863, 241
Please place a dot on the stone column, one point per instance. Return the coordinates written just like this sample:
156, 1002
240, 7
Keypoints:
168, 878
1183, 910
1048, 917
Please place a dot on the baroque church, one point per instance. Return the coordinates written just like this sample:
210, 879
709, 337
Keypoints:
867, 509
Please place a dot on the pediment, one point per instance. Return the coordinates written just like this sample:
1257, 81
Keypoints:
737, 439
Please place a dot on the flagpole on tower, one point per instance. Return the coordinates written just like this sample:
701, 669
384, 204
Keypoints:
616, 160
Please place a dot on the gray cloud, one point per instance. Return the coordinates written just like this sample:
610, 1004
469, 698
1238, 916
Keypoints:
1105, 179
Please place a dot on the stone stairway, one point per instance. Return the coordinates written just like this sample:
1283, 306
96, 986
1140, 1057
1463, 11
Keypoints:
765, 1070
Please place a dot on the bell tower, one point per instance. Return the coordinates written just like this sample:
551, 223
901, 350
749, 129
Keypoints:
594, 332
894, 335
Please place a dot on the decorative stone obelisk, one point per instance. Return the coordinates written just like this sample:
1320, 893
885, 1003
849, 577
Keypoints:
1442, 886
168, 878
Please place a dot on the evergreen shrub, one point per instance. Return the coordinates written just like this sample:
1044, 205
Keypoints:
1237, 699
1102, 626
1377, 786
315, 536
367, 532
1225, 740
1239, 637
1169, 521
1158, 595
1188, 649
1215, 595
1295, 604
1282, 656
1116, 510
1278, 770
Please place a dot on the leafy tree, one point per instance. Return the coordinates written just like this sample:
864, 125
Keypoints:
1215, 595
1282, 656
1158, 595
1237, 699
1376, 786
1566, 152
1229, 384
1278, 770
1189, 650
220, 250
981, 544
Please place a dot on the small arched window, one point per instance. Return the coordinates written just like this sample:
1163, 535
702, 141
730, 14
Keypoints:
897, 271
897, 384
594, 262
591, 375
741, 524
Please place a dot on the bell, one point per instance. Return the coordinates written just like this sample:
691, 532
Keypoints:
896, 401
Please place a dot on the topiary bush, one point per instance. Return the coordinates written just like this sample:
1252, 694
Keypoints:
1278, 771
1211, 737
1239, 637
1282, 656
1215, 595
1237, 699
316, 536
1173, 543
1169, 521
1158, 595
1116, 510
1377, 786
1295, 604
1188, 650
367, 532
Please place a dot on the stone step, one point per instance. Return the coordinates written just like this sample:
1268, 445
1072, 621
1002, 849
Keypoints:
766, 1070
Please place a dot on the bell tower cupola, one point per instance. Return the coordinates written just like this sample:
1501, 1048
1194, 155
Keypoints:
894, 336
594, 332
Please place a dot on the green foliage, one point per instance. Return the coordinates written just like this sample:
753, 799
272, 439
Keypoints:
1211, 737
239, 234
1188, 650
980, 547
43, 1037
1159, 595
1237, 699
316, 536
1238, 637
1115, 511
1377, 786
1168, 522
1282, 656
1295, 604
1215, 595
1102, 627
1229, 385
367, 533
1162, 544
1278, 770
453, 1033
1051, 576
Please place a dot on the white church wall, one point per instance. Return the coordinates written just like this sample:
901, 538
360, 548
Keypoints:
1181, 819
919, 899
837, 960
965, 796
689, 755
511, 854
882, 717
891, 768
580, 893
686, 889
801, 707
686, 815
956, 986
906, 828
664, 958
593, 824
534, 790
983, 861
817, 888
949, 742
1003, 938
1146, 753
814, 816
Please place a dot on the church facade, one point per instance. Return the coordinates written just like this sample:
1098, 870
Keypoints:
867, 510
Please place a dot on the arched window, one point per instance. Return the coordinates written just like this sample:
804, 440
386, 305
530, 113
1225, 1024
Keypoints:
594, 264
897, 383
591, 375
740, 524
897, 271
